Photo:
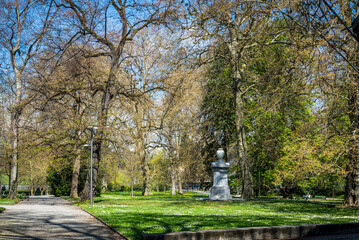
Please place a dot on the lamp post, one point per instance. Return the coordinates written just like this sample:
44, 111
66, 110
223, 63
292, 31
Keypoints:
91, 177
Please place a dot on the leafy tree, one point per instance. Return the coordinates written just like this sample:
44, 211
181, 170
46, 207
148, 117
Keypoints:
337, 73
218, 110
275, 102
240, 26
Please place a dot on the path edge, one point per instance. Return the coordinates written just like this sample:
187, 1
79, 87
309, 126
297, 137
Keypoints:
110, 227
104, 223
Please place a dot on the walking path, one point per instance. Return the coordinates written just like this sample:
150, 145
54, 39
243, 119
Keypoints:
49, 217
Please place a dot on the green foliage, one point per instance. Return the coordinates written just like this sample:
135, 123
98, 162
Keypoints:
24, 192
59, 179
4, 179
276, 100
217, 109
313, 164
160, 166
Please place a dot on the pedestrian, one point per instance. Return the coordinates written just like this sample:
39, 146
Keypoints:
307, 197
3, 189
38, 191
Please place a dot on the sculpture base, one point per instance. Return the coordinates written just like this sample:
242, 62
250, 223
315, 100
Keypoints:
220, 193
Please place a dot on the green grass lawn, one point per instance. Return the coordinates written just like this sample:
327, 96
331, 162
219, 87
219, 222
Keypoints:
160, 213
5, 201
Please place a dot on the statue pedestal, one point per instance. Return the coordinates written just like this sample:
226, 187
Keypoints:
220, 189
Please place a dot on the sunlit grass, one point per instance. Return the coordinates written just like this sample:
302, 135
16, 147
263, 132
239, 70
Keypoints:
133, 216
6, 201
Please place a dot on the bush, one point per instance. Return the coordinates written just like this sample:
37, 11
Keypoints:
24, 192
59, 180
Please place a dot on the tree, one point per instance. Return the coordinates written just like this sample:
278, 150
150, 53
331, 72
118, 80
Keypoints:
337, 73
240, 26
180, 120
310, 164
217, 109
352, 52
22, 37
131, 18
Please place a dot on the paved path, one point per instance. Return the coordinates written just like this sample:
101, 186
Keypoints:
48, 217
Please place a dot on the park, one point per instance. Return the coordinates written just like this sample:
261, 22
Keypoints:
172, 119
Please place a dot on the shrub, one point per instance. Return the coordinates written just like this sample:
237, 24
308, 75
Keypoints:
59, 180
24, 192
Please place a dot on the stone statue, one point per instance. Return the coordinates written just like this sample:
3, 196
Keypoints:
220, 189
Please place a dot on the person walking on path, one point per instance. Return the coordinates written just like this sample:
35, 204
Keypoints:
38, 191
3, 189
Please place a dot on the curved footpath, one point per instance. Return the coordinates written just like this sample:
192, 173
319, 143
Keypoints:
49, 217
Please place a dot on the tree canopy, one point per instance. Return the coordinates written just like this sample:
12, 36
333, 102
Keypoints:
169, 82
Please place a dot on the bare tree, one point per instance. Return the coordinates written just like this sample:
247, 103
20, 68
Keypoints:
22, 30
102, 21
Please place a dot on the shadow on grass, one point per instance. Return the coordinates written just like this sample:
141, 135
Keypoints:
162, 213
134, 224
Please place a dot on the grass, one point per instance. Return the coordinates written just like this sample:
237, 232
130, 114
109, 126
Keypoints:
6, 201
161, 213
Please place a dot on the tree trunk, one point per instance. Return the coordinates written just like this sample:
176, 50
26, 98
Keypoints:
102, 123
15, 122
77, 150
147, 190
145, 168
245, 162
14, 160
86, 193
352, 184
104, 187
180, 189
173, 178
76, 173
31, 181
352, 51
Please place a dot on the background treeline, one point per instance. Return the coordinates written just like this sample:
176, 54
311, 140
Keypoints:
274, 83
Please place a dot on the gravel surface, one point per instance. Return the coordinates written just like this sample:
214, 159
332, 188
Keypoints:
49, 217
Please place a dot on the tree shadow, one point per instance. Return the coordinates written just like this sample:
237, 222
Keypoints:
283, 212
